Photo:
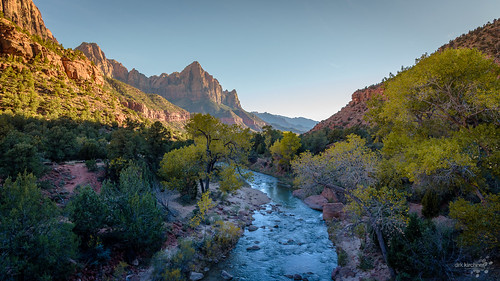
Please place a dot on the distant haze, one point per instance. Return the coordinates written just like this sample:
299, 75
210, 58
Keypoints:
287, 57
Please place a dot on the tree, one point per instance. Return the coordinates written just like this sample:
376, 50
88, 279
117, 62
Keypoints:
180, 169
480, 223
88, 212
19, 154
135, 215
158, 139
349, 167
216, 143
440, 121
285, 149
35, 241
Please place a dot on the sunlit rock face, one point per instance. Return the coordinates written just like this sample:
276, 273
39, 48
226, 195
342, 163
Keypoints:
193, 88
26, 15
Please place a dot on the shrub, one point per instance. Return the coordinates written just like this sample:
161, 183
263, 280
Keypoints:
423, 251
175, 265
365, 262
341, 256
35, 243
91, 165
225, 237
430, 204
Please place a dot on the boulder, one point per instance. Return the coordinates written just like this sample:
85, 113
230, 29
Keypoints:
299, 193
330, 195
316, 202
196, 276
333, 210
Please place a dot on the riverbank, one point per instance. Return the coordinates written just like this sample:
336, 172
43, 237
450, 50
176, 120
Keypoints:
358, 256
234, 210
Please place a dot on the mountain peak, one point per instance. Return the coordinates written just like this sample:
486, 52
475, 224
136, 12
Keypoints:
196, 66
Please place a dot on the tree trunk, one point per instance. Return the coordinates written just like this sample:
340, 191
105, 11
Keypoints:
202, 186
383, 247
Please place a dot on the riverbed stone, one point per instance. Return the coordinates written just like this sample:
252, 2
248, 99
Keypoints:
195, 276
253, 248
252, 228
316, 202
225, 275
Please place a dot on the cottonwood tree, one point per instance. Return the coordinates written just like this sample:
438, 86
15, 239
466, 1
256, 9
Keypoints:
218, 148
440, 121
348, 167
285, 149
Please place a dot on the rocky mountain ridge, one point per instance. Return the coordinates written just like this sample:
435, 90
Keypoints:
42, 77
193, 88
485, 39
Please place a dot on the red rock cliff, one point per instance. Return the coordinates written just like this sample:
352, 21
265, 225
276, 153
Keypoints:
26, 15
351, 114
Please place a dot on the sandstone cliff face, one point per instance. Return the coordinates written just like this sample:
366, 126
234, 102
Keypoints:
351, 114
193, 88
164, 115
19, 44
25, 14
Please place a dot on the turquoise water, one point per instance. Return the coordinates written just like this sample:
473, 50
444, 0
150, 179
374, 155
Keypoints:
292, 238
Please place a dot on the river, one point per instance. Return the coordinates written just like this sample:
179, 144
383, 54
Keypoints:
292, 238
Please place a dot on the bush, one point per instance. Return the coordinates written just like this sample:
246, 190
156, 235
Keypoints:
341, 256
365, 262
35, 243
91, 165
225, 237
423, 251
175, 265
430, 204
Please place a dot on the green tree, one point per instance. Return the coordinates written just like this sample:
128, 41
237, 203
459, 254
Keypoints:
19, 154
215, 143
158, 139
284, 150
135, 216
480, 223
180, 169
88, 212
35, 242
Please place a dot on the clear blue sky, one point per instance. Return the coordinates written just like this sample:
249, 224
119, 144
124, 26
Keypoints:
288, 57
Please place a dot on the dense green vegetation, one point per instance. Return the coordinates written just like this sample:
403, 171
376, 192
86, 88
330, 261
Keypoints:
437, 127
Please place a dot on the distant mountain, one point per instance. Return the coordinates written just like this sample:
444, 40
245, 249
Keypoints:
297, 125
40, 78
193, 88
485, 39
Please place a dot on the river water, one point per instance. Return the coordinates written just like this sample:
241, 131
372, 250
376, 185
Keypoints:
292, 238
